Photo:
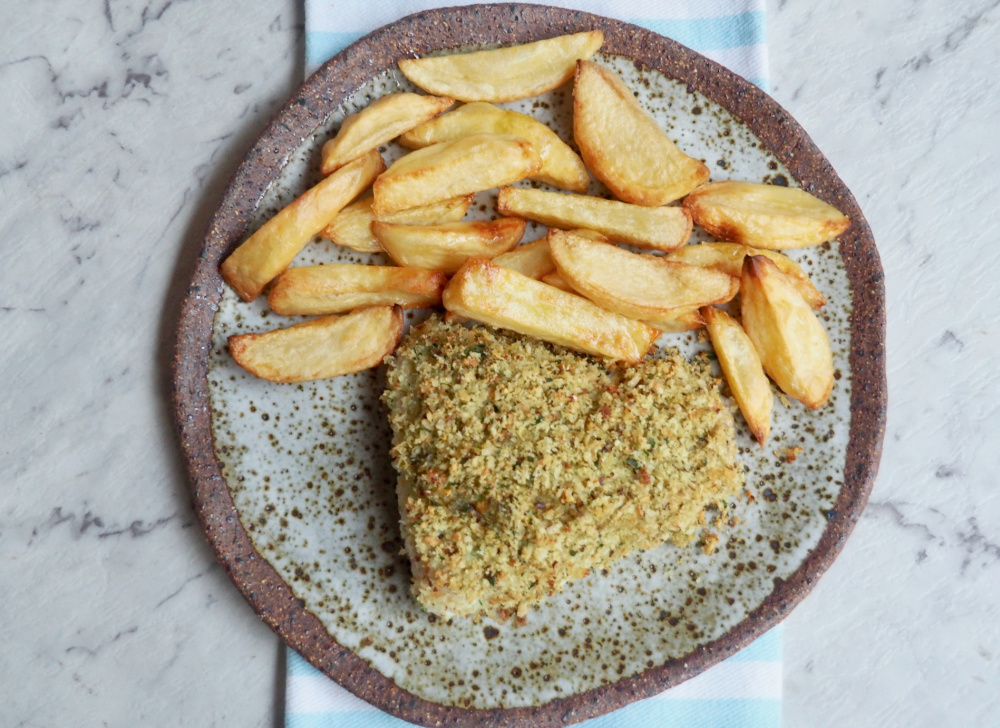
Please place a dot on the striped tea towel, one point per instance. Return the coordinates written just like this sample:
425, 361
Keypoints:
742, 692
745, 690
730, 32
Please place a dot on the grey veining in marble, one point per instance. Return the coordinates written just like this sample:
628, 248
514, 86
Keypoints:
904, 100
121, 123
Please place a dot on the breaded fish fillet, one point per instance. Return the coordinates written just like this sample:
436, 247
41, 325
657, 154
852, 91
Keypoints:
522, 466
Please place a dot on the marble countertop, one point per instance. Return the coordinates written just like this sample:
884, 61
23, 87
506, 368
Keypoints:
122, 123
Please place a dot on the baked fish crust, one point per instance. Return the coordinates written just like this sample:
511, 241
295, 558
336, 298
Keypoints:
522, 466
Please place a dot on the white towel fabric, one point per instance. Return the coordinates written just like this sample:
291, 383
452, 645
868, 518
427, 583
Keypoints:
741, 692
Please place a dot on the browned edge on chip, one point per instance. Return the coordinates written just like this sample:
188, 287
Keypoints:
321, 94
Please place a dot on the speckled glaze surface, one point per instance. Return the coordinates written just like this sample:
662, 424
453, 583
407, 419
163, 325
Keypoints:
295, 489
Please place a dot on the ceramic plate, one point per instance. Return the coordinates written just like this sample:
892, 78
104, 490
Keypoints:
294, 486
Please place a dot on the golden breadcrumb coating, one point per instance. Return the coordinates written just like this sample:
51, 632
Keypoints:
522, 465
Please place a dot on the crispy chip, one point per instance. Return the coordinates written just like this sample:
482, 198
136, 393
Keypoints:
728, 257
532, 259
743, 371
321, 348
506, 299
764, 216
352, 227
655, 228
274, 246
790, 340
446, 247
554, 279
339, 287
379, 122
623, 145
637, 285
464, 165
677, 322
591, 235
561, 167
504, 74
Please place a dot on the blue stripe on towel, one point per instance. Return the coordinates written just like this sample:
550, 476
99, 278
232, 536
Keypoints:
323, 45
727, 31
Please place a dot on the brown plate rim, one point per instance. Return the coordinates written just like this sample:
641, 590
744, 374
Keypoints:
418, 34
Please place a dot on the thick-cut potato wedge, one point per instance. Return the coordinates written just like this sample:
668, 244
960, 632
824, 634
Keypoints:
790, 340
561, 166
464, 165
504, 74
677, 322
274, 246
487, 292
654, 228
315, 290
532, 259
554, 279
637, 285
591, 235
743, 371
623, 145
352, 227
552, 276
764, 216
381, 121
446, 247
728, 257
321, 348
